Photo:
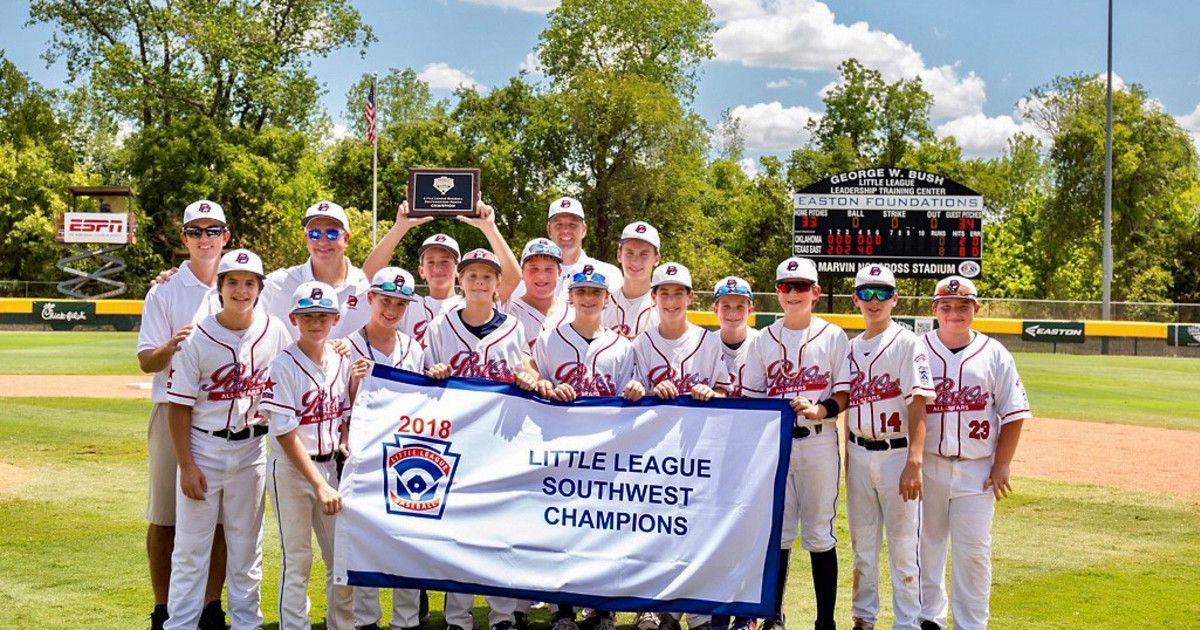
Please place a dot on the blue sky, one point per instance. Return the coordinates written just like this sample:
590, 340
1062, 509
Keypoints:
775, 56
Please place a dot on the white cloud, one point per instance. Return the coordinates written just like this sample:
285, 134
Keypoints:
532, 64
749, 166
786, 82
769, 127
804, 35
533, 6
1191, 124
441, 75
984, 136
339, 131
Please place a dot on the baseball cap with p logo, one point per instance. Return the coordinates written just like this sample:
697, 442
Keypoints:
875, 275
640, 231
796, 268
328, 210
314, 297
955, 287
565, 205
241, 260
671, 273
443, 241
204, 209
394, 282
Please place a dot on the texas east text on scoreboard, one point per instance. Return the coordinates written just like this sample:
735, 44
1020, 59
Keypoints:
921, 225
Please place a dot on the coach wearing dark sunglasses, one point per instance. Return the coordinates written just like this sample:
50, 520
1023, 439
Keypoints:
326, 233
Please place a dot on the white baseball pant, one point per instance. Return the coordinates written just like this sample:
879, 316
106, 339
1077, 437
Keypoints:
873, 504
406, 607
957, 511
300, 515
810, 504
693, 621
235, 473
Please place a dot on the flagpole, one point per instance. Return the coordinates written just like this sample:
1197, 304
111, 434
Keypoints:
375, 170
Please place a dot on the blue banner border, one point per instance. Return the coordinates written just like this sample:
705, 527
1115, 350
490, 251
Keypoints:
763, 608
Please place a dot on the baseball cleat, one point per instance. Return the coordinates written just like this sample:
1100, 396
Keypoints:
929, 625
647, 621
522, 620
667, 621
503, 625
773, 624
212, 617
565, 623
158, 617
862, 624
824, 625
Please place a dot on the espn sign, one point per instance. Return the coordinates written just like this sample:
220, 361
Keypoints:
95, 227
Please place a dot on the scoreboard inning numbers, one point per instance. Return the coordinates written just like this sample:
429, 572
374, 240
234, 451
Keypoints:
919, 224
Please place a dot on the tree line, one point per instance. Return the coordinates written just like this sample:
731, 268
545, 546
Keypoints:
194, 99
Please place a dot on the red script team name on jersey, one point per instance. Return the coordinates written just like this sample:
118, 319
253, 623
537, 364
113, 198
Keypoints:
863, 391
684, 383
948, 399
419, 330
466, 363
780, 380
575, 374
317, 406
231, 381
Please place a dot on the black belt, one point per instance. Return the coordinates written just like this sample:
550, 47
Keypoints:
879, 445
803, 432
254, 430
321, 459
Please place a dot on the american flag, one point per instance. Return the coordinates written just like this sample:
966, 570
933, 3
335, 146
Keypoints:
370, 111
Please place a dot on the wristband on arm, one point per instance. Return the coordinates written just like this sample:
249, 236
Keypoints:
832, 408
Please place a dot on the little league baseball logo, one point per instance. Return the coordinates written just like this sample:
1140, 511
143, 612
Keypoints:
443, 184
417, 474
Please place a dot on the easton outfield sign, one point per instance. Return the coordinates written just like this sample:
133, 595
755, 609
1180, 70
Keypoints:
1052, 332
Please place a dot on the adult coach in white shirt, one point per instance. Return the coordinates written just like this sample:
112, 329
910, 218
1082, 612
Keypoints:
326, 232
566, 226
168, 315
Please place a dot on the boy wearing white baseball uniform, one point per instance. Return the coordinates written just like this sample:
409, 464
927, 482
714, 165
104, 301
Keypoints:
883, 385
307, 403
390, 297
974, 424
733, 304
326, 234
216, 380
169, 314
539, 307
583, 358
796, 358
677, 358
632, 310
477, 341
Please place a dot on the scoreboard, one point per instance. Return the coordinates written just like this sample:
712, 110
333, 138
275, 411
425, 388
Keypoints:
919, 224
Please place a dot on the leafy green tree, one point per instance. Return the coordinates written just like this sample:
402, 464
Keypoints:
1155, 182
660, 41
238, 62
399, 97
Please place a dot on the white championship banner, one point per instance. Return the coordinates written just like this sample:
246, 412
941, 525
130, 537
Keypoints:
478, 487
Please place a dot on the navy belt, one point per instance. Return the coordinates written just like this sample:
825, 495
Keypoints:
252, 431
879, 445
803, 432
321, 459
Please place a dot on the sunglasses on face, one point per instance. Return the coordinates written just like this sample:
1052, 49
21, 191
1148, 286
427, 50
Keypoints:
309, 302
212, 231
332, 234
595, 277
392, 287
794, 287
736, 289
866, 294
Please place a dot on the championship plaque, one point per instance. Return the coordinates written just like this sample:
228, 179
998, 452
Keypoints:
442, 192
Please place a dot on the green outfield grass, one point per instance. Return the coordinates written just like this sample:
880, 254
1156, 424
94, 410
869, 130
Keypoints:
1148, 391
71, 541
68, 353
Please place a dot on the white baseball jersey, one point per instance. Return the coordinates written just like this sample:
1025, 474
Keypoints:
221, 374
424, 310
882, 374
975, 390
602, 367
407, 355
497, 357
533, 322
311, 399
692, 359
785, 363
352, 297
168, 307
630, 317
734, 360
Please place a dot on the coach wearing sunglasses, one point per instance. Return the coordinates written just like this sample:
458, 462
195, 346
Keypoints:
326, 233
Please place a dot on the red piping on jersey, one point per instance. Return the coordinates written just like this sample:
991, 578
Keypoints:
870, 373
960, 372
232, 401
945, 366
578, 359
596, 358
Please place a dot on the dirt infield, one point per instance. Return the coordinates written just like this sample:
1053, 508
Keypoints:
74, 386
1118, 455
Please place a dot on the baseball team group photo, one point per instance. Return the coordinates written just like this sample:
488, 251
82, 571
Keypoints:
574, 350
